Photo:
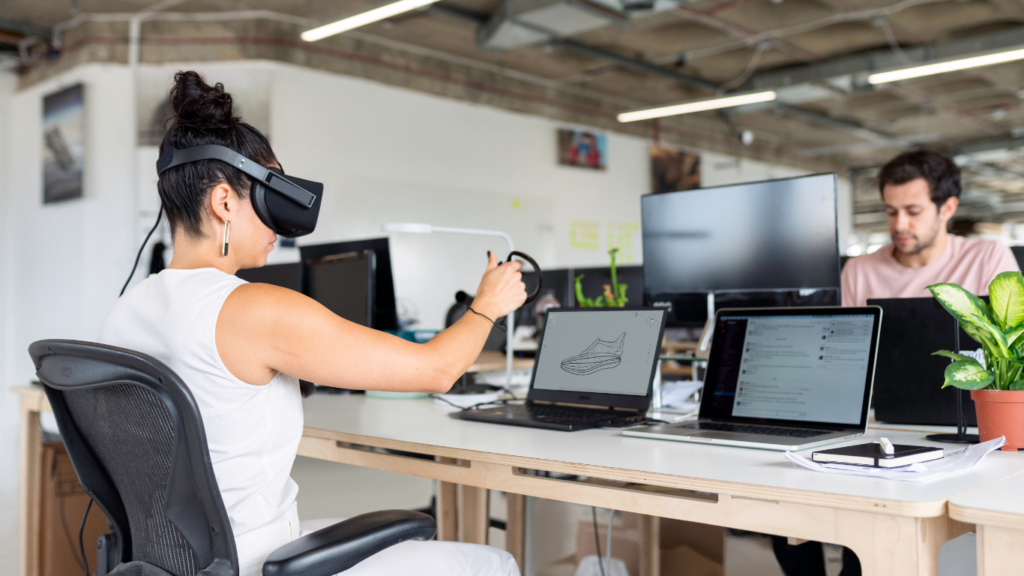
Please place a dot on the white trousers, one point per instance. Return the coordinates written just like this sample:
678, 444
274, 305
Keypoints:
428, 558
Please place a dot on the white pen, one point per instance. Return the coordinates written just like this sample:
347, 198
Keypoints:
887, 447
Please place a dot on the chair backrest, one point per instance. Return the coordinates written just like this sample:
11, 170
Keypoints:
135, 437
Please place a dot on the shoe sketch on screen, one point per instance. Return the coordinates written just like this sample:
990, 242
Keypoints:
601, 355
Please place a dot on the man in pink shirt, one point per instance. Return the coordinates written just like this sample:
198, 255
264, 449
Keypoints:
921, 191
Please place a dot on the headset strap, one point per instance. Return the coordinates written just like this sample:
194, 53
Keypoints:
268, 177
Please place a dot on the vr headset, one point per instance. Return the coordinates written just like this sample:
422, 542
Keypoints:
287, 205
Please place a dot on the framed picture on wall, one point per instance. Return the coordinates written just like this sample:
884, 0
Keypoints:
672, 170
582, 149
63, 144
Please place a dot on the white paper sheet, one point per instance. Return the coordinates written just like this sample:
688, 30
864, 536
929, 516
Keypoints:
955, 461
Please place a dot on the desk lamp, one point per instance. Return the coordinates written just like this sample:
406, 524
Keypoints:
410, 228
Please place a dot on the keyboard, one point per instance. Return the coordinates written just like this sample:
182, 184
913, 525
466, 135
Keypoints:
551, 417
754, 429
563, 413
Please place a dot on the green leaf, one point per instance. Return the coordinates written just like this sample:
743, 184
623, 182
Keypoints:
1018, 385
1006, 292
1014, 334
956, 356
999, 347
963, 305
967, 375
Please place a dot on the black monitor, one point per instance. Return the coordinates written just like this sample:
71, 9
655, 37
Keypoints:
343, 283
557, 281
283, 275
385, 312
778, 236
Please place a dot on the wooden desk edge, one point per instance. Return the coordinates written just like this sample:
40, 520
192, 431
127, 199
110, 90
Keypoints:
931, 509
985, 516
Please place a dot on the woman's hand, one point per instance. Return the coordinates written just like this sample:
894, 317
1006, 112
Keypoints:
501, 291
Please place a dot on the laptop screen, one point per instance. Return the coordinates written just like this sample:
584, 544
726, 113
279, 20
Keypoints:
599, 351
797, 366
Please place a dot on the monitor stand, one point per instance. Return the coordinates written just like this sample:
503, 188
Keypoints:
961, 436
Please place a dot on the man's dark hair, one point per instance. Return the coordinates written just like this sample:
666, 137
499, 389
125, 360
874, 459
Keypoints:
938, 169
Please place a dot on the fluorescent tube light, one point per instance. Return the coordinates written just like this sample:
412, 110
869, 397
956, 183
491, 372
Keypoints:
363, 19
943, 67
698, 106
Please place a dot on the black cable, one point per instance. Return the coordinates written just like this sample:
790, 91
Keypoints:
139, 255
64, 522
474, 406
597, 540
81, 536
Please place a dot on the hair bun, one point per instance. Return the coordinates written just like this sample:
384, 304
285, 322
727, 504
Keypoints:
198, 105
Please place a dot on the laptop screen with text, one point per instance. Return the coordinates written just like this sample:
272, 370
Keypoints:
794, 367
599, 351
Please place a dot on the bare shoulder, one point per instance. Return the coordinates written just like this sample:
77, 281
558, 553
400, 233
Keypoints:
255, 303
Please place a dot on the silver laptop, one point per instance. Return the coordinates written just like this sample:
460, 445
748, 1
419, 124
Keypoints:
783, 379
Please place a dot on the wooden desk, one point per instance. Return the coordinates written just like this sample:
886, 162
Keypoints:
998, 512
494, 360
895, 528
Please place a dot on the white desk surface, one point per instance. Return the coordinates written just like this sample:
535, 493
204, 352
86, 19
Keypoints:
730, 470
998, 504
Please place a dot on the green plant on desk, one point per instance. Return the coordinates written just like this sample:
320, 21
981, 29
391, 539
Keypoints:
614, 294
998, 327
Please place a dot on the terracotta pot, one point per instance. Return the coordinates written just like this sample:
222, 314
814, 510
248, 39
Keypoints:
1000, 413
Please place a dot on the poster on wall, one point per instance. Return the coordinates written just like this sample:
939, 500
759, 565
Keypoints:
582, 149
672, 170
63, 144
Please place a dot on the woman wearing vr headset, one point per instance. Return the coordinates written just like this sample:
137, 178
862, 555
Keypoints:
241, 347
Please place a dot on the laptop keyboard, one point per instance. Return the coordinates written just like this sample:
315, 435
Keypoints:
754, 429
566, 414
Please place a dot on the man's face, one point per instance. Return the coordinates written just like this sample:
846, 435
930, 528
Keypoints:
914, 220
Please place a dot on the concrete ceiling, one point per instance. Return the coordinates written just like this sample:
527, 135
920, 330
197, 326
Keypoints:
815, 53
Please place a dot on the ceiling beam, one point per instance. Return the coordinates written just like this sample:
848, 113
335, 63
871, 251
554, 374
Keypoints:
978, 146
24, 27
631, 63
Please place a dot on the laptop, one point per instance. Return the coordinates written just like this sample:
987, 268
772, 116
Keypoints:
783, 379
908, 387
594, 368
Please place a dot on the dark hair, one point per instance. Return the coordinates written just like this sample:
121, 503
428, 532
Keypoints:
203, 115
939, 170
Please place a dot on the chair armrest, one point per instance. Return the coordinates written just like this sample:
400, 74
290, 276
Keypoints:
339, 547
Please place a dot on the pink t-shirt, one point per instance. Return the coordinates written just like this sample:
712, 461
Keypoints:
970, 263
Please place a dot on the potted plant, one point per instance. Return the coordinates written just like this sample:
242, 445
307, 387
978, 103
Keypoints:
997, 384
614, 294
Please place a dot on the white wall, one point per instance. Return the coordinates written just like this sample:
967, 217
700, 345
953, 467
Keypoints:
8, 402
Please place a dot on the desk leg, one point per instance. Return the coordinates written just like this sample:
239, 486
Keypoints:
895, 545
515, 528
999, 551
474, 514
29, 503
650, 546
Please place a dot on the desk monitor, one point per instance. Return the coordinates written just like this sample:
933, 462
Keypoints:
908, 386
283, 275
385, 312
778, 235
343, 283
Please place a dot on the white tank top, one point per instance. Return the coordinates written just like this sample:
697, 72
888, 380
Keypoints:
253, 431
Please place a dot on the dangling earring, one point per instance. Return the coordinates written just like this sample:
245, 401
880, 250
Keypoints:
227, 236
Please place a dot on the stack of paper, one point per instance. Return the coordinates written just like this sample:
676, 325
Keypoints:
954, 461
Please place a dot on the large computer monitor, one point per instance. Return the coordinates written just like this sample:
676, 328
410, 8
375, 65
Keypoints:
385, 312
774, 235
283, 275
765, 238
343, 283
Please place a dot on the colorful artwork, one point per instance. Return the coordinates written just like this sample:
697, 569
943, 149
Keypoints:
672, 170
63, 144
582, 149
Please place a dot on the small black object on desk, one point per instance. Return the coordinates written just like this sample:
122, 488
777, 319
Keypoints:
961, 436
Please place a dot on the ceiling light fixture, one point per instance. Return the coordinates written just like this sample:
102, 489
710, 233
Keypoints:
698, 106
364, 18
943, 67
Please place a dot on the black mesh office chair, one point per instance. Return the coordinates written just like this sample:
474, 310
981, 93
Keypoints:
136, 440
